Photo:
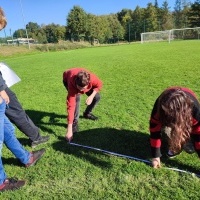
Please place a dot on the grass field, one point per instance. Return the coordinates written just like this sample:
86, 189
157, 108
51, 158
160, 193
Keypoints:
133, 76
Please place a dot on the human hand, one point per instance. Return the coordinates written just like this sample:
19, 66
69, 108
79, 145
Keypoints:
89, 100
156, 163
5, 96
69, 136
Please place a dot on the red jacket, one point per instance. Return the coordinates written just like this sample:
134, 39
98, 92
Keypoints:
156, 126
69, 77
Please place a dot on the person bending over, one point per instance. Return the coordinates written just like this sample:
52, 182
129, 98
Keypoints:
80, 81
177, 112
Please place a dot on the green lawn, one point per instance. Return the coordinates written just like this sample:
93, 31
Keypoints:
133, 76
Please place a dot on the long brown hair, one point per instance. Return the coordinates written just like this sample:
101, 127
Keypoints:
175, 111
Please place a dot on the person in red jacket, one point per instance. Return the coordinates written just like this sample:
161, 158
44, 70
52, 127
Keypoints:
79, 81
177, 110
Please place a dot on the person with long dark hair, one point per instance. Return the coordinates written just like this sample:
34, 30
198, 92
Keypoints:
176, 115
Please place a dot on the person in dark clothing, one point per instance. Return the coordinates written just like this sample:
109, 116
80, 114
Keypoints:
178, 110
17, 115
7, 137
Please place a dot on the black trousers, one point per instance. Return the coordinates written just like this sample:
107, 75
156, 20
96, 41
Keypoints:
89, 108
18, 116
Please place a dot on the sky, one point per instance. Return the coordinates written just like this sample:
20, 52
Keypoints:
21, 12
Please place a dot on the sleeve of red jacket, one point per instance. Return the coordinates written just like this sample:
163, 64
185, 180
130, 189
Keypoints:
71, 104
71, 97
155, 133
196, 125
96, 82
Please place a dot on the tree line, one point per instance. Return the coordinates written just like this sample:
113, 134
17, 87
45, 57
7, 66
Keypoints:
126, 25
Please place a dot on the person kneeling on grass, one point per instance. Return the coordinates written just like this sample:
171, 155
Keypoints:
8, 137
177, 112
79, 81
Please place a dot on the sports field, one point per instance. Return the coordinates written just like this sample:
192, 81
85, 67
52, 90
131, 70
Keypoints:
133, 76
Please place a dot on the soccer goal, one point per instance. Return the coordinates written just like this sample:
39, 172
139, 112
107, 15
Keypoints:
169, 35
156, 36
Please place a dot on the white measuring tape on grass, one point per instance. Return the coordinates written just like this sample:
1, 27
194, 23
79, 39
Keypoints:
131, 157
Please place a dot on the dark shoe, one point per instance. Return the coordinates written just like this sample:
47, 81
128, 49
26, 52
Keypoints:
11, 184
90, 116
189, 147
172, 155
75, 127
35, 156
42, 140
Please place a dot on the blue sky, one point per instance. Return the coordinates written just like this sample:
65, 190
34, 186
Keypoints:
20, 12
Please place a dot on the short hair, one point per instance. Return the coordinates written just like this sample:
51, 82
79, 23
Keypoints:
82, 78
3, 21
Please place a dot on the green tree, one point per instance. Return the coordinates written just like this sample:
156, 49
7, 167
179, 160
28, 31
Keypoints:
41, 37
98, 29
177, 14
54, 33
76, 22
90, 28
186, 5
151, 18
32, 30
116, 29
20, 33
137, 22
124, 17
165, 17
101, 29
194, 14
32, 27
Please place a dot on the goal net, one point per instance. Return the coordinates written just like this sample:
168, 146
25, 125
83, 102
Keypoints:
155, 36
169, 35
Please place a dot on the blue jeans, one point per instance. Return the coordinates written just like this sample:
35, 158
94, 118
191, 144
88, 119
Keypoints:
7, 136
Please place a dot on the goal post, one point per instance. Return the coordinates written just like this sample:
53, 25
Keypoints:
186, 33
169, 35
156, 36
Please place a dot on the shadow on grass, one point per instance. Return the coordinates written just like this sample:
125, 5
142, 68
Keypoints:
12, 161
54, 119
174, 163
124, 142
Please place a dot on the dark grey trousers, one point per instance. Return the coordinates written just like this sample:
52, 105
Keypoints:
18, 116
89, 108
